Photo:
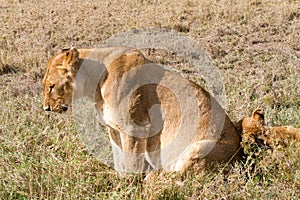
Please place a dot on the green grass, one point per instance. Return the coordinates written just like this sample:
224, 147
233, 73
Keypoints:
254, 44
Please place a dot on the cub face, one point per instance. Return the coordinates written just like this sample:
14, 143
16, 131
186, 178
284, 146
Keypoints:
255, 123
59, 79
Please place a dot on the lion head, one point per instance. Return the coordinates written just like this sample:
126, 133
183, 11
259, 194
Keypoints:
59, 79
254, 123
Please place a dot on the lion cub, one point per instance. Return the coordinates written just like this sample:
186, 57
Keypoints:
254, 130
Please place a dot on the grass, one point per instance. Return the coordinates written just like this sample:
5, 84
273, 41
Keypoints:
254, 44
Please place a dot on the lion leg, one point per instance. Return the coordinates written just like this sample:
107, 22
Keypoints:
197, 150
153, 151
116, 145
134, 152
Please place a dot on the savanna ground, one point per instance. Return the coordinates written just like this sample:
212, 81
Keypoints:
254, 43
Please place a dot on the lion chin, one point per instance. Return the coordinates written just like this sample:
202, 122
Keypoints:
166, 122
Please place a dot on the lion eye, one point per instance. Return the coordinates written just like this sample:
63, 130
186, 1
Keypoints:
51, 88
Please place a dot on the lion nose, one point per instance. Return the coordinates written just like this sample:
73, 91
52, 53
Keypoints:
47, 108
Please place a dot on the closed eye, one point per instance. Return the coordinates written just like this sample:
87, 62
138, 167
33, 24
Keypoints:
51, 88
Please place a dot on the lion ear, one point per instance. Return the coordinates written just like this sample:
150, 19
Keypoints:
71, 56
258, 114
70, 63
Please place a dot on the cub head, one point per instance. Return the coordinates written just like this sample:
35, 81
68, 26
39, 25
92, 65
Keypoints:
59, 79
253, 124
252, 129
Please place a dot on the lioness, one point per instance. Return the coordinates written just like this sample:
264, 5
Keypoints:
254, 130
155, 117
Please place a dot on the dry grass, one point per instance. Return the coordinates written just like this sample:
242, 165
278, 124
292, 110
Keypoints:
254, 43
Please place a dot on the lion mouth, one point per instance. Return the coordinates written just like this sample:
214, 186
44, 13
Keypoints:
58, 108
47, 108
64, 107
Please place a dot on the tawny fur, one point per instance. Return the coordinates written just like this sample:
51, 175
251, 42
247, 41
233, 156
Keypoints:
117, 61
254, 128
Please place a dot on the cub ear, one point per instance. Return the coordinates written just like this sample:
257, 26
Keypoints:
70, 62
258, 114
